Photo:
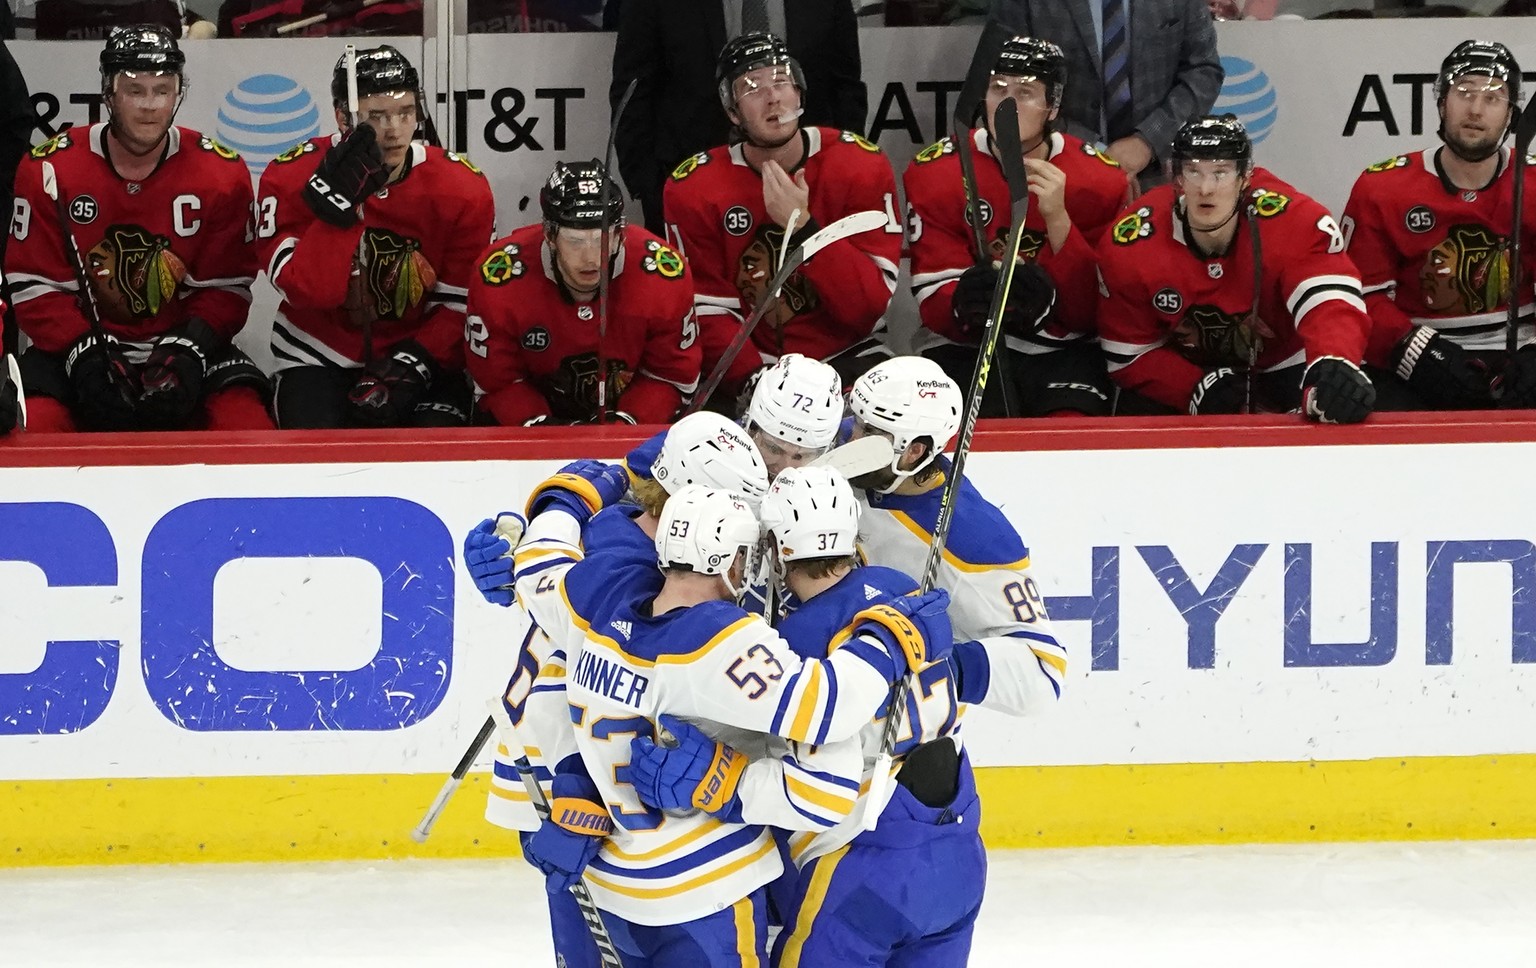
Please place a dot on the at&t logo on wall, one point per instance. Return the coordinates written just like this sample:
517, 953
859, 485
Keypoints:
1248, 93
265, 114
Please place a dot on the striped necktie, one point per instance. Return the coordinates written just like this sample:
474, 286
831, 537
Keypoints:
1117, 70
754, 16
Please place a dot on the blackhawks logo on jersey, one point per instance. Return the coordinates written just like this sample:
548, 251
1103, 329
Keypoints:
1211, 337
1267, 204
297, 151
396, 276
661, 260
1093, 151
689, 164
210, 144
1136, 225
854, 138
1388, 165
1466, 273
133, 273
935, 151
57, 143
502, 266
755, 268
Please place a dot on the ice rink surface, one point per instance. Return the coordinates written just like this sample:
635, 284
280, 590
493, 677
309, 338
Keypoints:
1390, 905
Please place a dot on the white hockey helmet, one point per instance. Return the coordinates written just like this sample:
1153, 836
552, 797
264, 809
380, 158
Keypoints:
798, 400
706, 448
812, 513
908, 397
705, 528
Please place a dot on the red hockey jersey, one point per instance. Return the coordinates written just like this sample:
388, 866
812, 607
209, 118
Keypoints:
156, 251
528, 342
416, 246
1168, 314
715, 215
942, 248
1432, 254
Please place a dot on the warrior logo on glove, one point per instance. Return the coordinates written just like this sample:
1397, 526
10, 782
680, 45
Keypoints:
1466, 273
134, 273
1211, 337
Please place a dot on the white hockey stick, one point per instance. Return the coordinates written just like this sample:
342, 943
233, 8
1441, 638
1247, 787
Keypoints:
848, 225
863, 456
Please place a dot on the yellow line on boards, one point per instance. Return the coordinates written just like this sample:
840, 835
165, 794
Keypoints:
369, 817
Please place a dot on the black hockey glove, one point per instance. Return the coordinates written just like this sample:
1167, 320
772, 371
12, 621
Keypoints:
1031, 295
1517, 385
1219, 391
1440, 371
1333, 390
391, 386
351, 170
105, 383
173, 375
616, 417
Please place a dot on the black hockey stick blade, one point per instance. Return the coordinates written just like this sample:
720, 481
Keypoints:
974, 90
605, 254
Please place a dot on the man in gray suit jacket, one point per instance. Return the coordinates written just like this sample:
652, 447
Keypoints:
1174, 72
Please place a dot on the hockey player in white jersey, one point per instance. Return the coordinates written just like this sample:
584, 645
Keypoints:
686, 889
795, 411
925, 855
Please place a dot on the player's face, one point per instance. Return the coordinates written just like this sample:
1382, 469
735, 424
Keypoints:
767, 106
1212, 191
779, 453
1475, 113
1030, 96
142, 108
579, 256
392, 116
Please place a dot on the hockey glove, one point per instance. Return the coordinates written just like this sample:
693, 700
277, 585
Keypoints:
173, 374
351, 170
689, 771
1333, 390
391, 386
578, 822
1519, 381
915, 630
1440, 371
106, 384
1031, 296
10, 394
616, 417
487, 555
581, 489
1222, 390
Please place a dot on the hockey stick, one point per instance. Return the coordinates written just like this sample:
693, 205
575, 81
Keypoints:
509, 527
607, 951
1007, 124
1525, 130
1253, 315
10, 340
848, 225
341, 10
605, 254
359, 260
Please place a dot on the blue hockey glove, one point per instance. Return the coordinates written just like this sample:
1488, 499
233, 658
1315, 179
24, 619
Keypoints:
690, 770
914, 628
582, 488
578, 823
484, 552
640, 459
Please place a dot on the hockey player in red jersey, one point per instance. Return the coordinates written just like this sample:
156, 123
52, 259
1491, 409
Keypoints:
1429, 232
532, 341
370, 236
728, 208
1186, 324
1075, 193
153, 220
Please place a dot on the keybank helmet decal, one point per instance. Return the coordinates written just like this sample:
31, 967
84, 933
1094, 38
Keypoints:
1248, 93
265, 114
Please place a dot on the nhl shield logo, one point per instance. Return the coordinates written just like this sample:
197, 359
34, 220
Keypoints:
584, 312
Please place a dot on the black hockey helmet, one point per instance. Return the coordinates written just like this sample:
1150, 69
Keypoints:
747, 53
143, 49
1214, 137
1039, 59
1479, 57
576, 195
380, 70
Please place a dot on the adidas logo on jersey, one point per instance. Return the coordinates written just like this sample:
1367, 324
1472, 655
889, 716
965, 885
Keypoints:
623, 628
871, 593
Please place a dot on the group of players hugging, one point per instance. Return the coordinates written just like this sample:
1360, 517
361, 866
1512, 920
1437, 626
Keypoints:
134, 244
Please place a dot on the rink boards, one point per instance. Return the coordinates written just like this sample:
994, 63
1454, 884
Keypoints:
218, 647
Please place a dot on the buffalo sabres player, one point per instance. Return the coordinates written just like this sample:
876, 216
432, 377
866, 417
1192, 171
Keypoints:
1429, 231
689, 888
926, 853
